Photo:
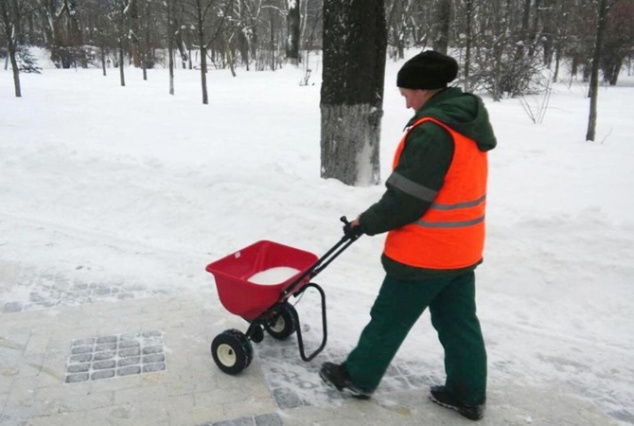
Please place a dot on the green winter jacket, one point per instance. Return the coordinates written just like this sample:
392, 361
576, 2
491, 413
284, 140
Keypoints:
425, 161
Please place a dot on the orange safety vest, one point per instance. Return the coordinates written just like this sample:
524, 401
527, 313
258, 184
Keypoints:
450, 235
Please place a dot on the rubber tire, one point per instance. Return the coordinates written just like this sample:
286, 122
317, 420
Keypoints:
284, 324
232, 351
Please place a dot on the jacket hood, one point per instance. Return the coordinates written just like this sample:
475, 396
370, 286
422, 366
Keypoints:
463, 112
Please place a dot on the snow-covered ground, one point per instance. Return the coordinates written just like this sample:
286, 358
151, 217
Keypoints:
134, 191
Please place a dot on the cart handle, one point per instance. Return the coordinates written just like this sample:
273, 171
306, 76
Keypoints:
323, 261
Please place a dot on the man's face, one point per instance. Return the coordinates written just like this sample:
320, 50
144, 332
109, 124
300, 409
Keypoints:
414, 98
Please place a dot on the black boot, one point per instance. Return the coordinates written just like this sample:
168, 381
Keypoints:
336, 376
440, 396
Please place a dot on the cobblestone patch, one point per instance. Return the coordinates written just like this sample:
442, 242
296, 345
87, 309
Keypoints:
295, 383
97, 358
39, 289
272, 419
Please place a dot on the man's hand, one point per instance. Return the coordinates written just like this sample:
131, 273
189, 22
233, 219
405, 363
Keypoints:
352, 229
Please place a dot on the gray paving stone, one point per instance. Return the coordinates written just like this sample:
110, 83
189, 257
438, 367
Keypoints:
13, 307
152, 350
102, 291
125, 362
123, 344
271, 419
129, 352
127, 371
102, 365
76, 378
78, 368
129, 337
286, 398
81, 350
106, 347
243, 421
80, 358
623, 415
107, 339
150, 368
125, 296
83, 342
149, 359
100, 356
104, 374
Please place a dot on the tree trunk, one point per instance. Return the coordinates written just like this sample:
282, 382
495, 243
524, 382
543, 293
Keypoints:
170, 43
103, 59
228, 54
443, 17
354, 44
557, 64
292, 23
594, 74
614, 75
200, 24
524, 37
534, 34
16, 72
11, 34
203, 66
143, 62
497, 52
170, 50
121, 73
467, 61
272, 41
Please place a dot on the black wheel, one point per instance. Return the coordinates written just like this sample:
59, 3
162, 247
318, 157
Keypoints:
283, 323
232, 351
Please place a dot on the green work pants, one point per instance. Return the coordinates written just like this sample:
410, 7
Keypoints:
451, 302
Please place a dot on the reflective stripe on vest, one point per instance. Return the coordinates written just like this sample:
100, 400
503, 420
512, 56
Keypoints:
450, 235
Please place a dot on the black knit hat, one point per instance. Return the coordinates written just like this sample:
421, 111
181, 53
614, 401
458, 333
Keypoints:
428, 70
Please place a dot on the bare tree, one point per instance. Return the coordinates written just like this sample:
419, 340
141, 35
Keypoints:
443, 25
96, 19
10, 11
292, 37
559, 24
603, 6
354, 48
469, 12
618, 40
399, 21
67, 35
200, 12
122, 11
171, 27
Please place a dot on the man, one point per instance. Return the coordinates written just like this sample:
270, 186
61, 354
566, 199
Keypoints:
433, 211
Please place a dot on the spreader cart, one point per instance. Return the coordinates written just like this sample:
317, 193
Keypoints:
266, 307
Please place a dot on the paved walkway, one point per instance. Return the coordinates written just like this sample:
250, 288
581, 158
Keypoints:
147, 361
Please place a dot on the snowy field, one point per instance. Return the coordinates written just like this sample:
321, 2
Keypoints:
133, 191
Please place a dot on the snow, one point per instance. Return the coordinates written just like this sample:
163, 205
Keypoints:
273, 276
139, 189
